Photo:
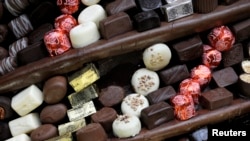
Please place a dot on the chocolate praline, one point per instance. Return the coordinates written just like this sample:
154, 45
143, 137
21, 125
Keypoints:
44, 132
53, 113
91, 132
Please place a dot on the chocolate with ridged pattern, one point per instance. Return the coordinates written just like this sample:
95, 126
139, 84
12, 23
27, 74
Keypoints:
162, 94
17, 46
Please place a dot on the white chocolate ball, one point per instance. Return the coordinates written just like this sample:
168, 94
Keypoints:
84, 34
90, 2
145, 81
94, 13
157, 56
125, 126
133, 104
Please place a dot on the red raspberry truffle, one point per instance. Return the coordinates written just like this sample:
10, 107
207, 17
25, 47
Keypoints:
211, 57
202, 74
221, 38
65, 22
68, 6
190, 87
57, 42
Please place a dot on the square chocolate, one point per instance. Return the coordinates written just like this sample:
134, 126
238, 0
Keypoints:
233, 56
161, 94
241, 30
225, 77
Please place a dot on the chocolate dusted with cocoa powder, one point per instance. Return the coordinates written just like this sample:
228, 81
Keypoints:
44, 132
157, 114
162, 94
216, 98
91, 132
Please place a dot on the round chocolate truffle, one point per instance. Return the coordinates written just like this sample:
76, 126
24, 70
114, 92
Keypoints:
91, 132
44, 132
55, 89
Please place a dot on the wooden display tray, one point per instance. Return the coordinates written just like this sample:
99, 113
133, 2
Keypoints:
74, 59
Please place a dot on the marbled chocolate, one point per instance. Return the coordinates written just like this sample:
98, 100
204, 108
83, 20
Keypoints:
233, 56
120, 6
174, 74
146, 20
225, 77
241, 30
162, 94
189, 49
110, 26
216, 98
44, 132
91, 132
157, 114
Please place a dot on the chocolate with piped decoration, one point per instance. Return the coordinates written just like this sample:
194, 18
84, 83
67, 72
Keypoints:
3, 53
16, 7
204, 6
32, 53
162, 94
241, 30
117, 6
147, 5
44, 132
91, 132
157, 114
17, 46
146, 20
225, 77
174, 74
53, 113
55, 89
3, 32
216, 98
189, 49
105, 116
7, 64
233, 56
4, 131
5, 108
111, 95
37, 34
110, 26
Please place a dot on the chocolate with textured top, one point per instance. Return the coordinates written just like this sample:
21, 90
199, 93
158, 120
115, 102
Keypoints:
241, 30
162, 94
204, 6
120, 6
156, 114
189, 49
105, 116
5, 108
146, 5
111, 95
53, 113
174, 74
37, 34
110, 26
17, 46
233, 56
225, 77
91, 132
21, 26
216, 98
44, 132
146, 20
3, 32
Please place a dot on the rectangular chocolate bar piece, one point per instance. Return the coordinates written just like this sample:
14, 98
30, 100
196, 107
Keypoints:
156, 114
177, 9
189, 49
241, 30
161, 94
216, 98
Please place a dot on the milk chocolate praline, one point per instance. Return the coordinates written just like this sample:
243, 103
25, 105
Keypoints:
44, 132
53, 113
55, 89
91, 132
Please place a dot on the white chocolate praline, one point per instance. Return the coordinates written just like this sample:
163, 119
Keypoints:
90, 2
133, 104
27, 100
24, 124
94, 13
145, 81
84, 34
125, 126
21, 137
157, 56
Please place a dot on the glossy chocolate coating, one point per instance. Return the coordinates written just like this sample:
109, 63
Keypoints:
110, 26
3, 32
216, 98
91, 132
241, 30
4, 131
189, 48
162, 94
204, 6
120, 6
3, 53
225, 77
111, 96
146, 20
5, 108
53, 113
44, 132
105, 116
146, 5
156, 114
174, 74
55, 89
233, 56
37, 34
